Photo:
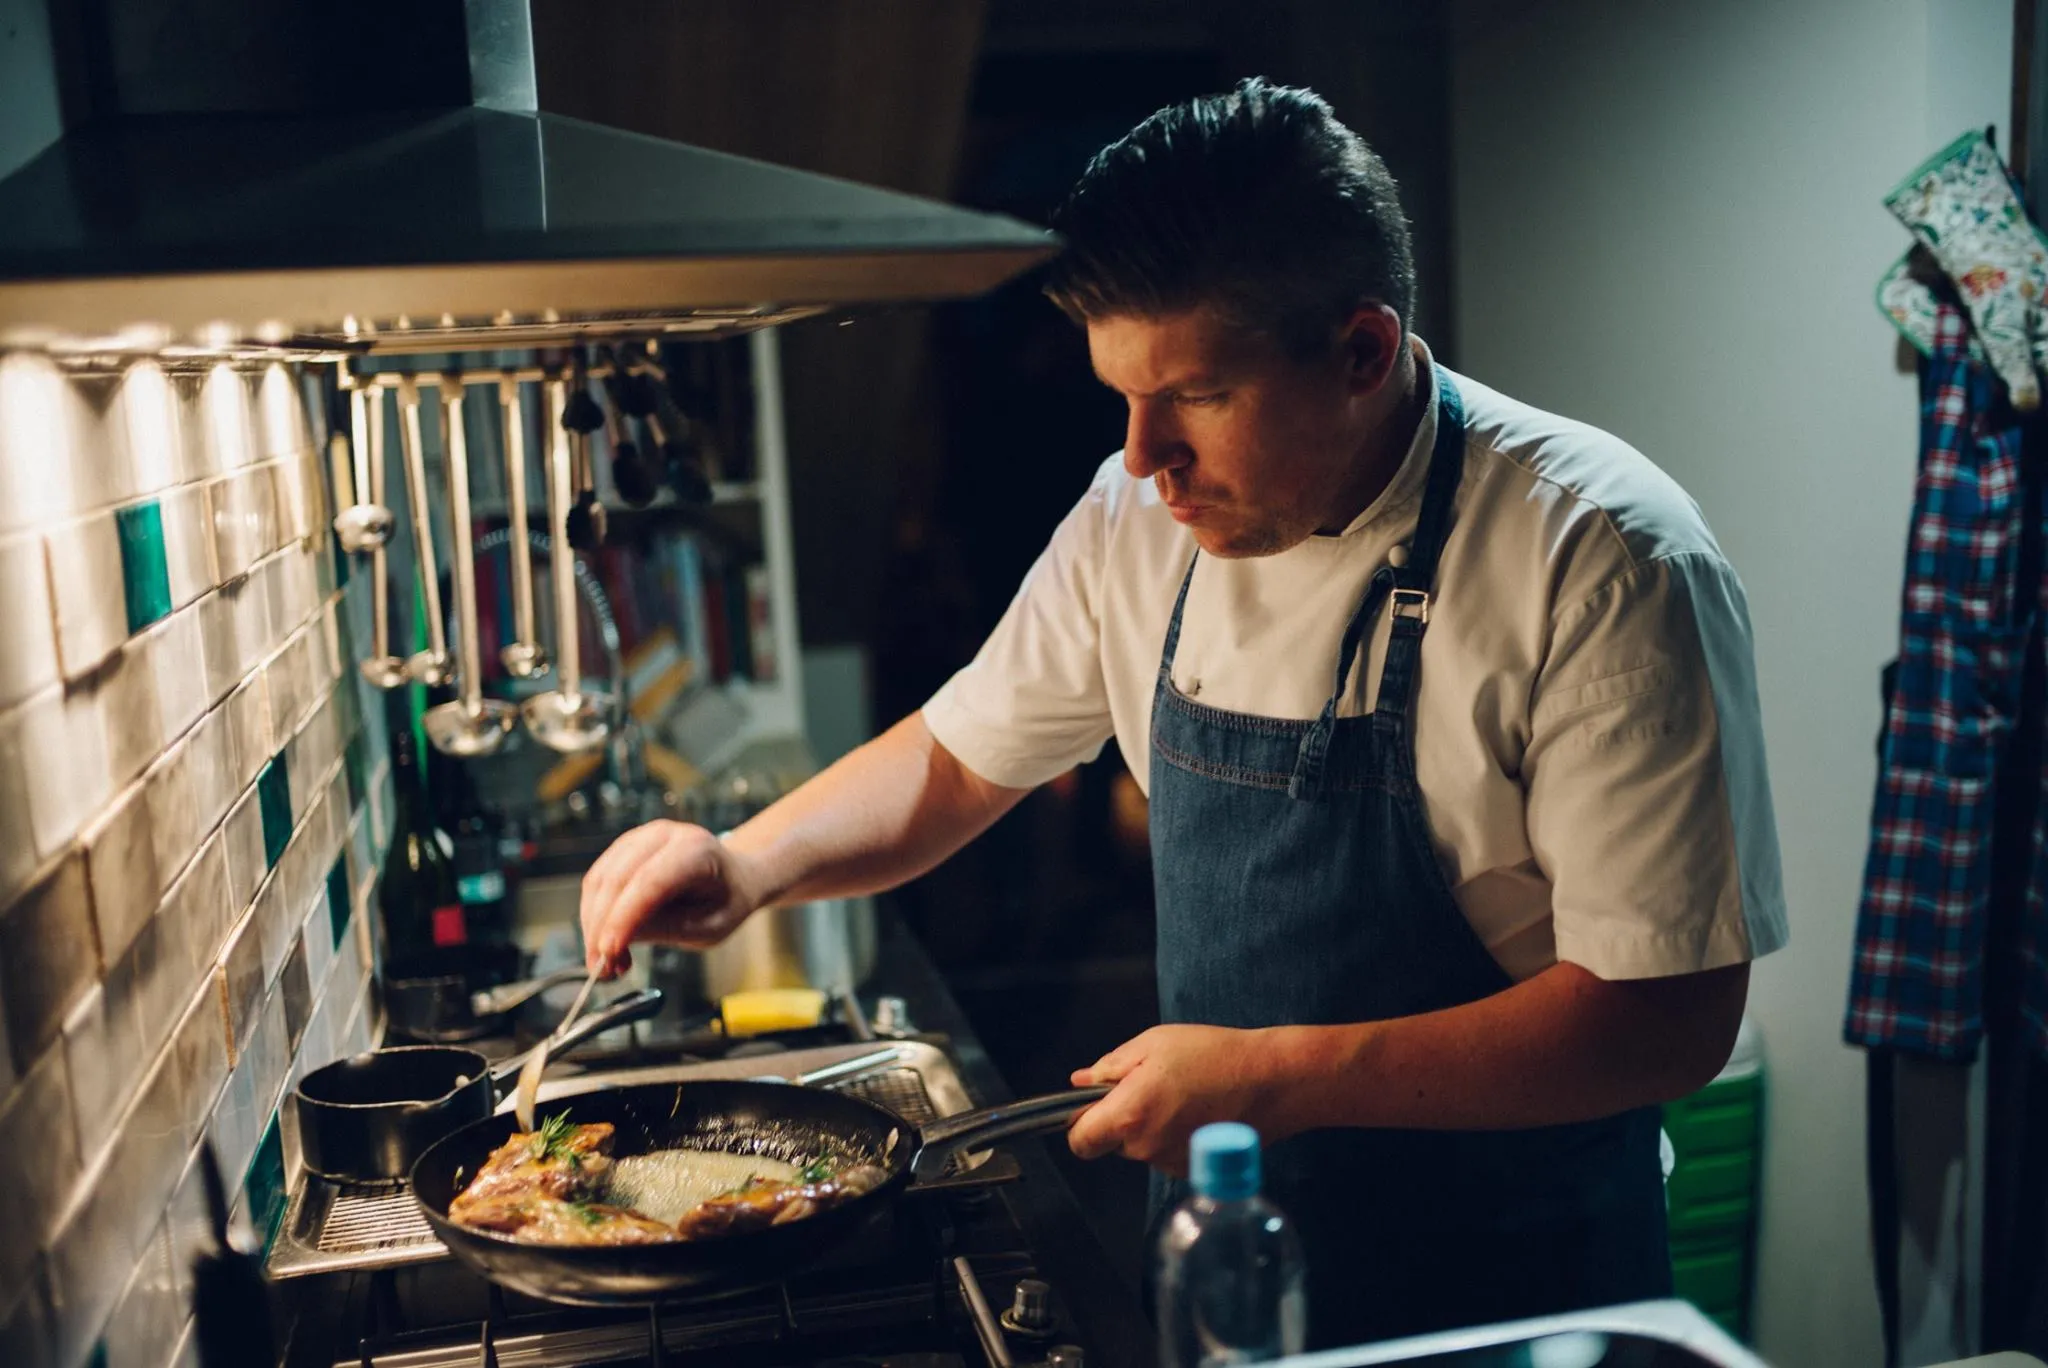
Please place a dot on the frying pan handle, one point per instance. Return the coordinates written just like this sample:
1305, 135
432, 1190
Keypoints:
634, 1006
977, 1130
508, 997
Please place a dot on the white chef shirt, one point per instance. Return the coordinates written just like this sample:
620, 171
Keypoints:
1588, 739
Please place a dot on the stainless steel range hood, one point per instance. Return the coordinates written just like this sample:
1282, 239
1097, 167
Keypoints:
272, 180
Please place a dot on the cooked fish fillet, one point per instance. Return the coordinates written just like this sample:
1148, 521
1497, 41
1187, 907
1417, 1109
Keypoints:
765, 1202
563, 1162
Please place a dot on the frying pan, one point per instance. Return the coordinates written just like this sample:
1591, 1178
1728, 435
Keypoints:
795, 1124
365, 1118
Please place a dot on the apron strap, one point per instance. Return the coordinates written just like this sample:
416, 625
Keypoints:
1173, 623
1408, 585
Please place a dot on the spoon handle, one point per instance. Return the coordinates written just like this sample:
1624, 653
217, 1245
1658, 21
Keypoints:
537, 1062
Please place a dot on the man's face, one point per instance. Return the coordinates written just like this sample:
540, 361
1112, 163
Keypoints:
1251, 450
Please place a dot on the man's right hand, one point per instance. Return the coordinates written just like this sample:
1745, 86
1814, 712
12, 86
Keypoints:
666, 881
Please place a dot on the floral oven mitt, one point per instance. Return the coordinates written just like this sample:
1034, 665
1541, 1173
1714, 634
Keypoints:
1964, 210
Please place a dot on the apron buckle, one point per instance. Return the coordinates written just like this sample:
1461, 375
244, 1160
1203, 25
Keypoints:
1411, 603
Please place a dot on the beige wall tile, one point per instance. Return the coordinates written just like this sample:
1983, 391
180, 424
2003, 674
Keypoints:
177, 653
218, 640
48, 958
188, 542
125, 695
121, 867
148, 1316
104, 1068
200, 1041
153, 1141
90, 1259
17, 829
64, 761
85, 585
248, 709
174, 829
40, 421
26, 622
201, 906
241, 966
227, 405
214, 773
36, 1120
242, 841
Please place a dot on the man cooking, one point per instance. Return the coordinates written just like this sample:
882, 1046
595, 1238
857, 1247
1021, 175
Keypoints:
1446, 709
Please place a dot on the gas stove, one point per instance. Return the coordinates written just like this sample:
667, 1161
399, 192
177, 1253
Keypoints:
945, 1279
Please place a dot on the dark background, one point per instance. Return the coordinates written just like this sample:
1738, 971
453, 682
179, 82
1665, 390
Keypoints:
933, 450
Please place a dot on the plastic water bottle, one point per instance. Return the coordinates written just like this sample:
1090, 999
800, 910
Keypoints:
1230, 1270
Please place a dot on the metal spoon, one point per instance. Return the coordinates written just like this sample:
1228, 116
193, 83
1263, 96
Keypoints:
566, 718
362, 526
524, 657
434, 665
470, 725
537, 1062
381, 668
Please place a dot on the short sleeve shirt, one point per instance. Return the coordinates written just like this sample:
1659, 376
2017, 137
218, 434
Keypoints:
1588, 738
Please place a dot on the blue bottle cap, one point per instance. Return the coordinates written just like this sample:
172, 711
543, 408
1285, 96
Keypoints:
1223, 1161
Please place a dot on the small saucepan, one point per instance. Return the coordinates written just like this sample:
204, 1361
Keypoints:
365, 1119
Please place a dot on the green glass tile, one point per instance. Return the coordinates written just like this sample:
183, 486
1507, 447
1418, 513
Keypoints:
338, 905
274, 800
98, 1358
264, 1187
346, 712
340, 560
145, 570
352, 766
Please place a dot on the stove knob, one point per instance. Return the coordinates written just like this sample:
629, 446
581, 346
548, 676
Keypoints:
1030, 1312
1064, 1356
892, 1017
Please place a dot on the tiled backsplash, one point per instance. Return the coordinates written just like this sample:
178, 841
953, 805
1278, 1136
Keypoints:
194, 797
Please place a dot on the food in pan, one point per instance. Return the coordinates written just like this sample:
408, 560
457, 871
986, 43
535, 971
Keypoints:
668, 1184
560, 1185
766, 1202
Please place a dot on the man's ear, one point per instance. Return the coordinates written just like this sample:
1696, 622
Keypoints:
1370, 343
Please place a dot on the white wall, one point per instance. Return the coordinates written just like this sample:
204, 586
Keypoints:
1668, 222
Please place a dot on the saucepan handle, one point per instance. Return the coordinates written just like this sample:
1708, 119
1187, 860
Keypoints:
634, 1006
977, 1130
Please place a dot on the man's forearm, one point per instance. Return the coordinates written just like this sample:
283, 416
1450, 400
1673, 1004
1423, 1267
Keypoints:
1562, 1046
881, 815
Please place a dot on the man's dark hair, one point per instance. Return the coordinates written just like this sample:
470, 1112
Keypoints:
1258, 203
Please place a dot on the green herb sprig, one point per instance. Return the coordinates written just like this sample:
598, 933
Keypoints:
552, 1138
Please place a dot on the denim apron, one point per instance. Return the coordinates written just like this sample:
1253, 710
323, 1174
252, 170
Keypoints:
1296, 883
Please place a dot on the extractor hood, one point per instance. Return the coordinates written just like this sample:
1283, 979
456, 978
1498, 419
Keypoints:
277, 179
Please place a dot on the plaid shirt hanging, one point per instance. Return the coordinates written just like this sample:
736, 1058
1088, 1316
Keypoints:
1917, 981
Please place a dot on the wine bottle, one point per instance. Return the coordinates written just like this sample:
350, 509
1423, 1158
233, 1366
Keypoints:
426, 929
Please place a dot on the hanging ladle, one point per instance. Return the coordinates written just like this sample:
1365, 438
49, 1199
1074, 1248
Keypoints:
566, 718
362, 526
433, 666
381, 668
524, 656
471, 724
582, 416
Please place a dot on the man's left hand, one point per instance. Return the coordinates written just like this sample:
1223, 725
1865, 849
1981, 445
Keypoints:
1168, 1082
